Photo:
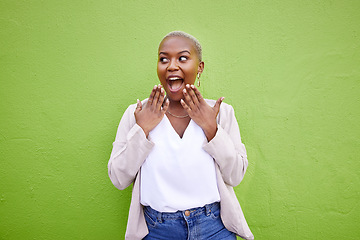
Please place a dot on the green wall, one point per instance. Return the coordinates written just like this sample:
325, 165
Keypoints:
69, 69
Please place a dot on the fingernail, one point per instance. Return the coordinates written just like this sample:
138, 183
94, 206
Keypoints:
184, 91
187, 85
192, 86
155, 86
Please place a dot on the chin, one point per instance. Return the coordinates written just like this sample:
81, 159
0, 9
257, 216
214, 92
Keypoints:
175, 97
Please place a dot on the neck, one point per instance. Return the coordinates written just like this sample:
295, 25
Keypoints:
175, 107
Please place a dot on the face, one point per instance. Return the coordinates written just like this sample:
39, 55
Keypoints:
178, 65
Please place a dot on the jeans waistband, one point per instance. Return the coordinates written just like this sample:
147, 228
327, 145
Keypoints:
207, 209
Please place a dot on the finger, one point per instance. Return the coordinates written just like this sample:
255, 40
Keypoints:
161, 98
192, 94
185, 106
138, 106
198, 95
152, 94
165, 106
187, 99
157, 94
217, 104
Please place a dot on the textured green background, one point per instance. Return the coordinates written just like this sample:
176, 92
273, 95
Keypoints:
68, 70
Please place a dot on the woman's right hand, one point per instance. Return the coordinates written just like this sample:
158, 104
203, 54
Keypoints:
149, 116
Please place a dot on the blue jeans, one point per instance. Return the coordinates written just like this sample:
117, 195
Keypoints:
194, 224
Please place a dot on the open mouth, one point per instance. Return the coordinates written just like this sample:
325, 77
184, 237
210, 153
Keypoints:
175, 83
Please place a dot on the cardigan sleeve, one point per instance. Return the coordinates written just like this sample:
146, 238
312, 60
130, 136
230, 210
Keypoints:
130, 149
226, 147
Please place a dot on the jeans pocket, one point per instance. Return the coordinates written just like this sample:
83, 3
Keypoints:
150, 221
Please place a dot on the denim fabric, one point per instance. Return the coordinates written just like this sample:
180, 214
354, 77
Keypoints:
202, 223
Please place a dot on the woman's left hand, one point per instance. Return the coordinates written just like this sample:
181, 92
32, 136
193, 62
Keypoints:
199, 111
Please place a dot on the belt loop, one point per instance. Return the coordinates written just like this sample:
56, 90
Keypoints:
208, 209
159, 217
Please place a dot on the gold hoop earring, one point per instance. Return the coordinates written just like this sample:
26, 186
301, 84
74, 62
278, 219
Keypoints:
198, 77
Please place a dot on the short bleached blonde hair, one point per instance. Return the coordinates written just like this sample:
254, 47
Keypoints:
196, 42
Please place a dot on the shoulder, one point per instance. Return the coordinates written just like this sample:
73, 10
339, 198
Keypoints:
131, 108
224, 107
128, 116
226, 113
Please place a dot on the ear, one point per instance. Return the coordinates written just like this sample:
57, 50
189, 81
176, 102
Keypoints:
201, 67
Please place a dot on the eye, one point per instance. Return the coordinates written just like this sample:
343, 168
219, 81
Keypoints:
164, 60
183, 58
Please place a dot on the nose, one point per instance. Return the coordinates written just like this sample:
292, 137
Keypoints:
173, 66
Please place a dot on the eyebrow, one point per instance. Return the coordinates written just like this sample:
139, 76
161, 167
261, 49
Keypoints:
178, 52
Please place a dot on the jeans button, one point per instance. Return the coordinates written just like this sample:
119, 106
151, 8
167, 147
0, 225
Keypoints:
187, 213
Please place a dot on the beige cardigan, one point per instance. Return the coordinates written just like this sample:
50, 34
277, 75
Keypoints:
131, 148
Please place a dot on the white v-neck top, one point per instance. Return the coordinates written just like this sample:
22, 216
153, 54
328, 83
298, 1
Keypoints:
178, 174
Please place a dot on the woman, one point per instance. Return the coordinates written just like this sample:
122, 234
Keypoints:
182, 152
